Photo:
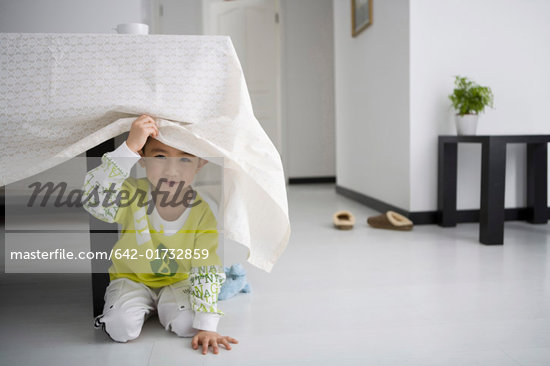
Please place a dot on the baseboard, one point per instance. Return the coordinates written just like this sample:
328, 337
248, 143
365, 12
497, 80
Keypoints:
309, 180
430, 217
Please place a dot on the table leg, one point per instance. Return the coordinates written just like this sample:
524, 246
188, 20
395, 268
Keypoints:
102, 235
446, 183
537, 182
493, 174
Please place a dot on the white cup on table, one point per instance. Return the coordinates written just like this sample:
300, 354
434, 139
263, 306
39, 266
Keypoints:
132, 28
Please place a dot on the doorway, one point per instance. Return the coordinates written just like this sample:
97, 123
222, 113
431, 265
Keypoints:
253, 26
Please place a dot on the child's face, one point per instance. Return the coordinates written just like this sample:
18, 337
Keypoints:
163, 161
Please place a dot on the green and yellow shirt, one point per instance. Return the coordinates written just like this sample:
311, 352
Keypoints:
151, 250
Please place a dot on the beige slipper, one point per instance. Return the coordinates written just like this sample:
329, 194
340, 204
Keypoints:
390, 220
343, 220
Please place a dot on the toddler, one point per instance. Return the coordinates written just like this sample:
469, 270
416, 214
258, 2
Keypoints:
165, 259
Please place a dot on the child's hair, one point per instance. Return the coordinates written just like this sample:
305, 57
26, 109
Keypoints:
147, 141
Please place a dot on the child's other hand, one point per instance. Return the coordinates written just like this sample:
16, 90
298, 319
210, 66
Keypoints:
207, 338
142, 128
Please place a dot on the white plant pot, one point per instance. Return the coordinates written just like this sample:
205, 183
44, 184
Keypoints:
466, 124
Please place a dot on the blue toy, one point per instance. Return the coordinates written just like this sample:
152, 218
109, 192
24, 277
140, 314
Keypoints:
235, 282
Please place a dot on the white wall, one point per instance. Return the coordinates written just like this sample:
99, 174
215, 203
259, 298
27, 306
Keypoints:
372, 102
70, 16
504, 44
178, 17
308, 88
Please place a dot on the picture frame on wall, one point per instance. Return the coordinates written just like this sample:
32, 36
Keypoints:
361, 16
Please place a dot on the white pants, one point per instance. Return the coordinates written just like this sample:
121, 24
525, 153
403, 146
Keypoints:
128, 304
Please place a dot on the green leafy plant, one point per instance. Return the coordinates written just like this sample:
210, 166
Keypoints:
469, 97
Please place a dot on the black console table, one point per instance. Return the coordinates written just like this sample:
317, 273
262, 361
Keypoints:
493, 169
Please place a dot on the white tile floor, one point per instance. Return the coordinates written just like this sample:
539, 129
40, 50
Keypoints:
432, 296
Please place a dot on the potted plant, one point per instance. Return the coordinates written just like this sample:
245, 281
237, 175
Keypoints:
469, 99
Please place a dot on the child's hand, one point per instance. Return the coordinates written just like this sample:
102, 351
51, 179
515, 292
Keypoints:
205, 338
142, 128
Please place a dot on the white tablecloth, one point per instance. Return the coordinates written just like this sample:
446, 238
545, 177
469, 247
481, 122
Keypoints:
62, 94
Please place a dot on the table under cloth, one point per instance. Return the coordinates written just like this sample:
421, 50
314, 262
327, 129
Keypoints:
62, 94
